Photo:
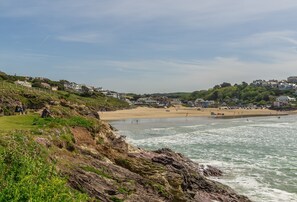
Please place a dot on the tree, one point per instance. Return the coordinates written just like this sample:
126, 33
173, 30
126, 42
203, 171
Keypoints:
225, 84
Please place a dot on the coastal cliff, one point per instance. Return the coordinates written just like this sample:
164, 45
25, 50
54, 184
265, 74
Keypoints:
74, 156
100, 164
107, 168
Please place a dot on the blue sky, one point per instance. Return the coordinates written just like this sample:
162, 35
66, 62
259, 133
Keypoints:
146, 46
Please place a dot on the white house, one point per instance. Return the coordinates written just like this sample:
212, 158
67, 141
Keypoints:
45, 85
204, 103
285, 99
23, 83
292, 79
146, 101
55, 88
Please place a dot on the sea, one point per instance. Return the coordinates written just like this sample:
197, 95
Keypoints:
257, 155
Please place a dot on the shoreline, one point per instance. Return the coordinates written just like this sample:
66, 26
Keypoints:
248, 115
177, 112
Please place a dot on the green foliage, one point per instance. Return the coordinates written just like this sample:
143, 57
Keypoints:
115, 199
240, 94
160, 189
123, 162
25, 174
57, 122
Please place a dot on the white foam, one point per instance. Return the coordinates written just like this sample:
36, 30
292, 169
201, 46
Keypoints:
256, 191
256, 155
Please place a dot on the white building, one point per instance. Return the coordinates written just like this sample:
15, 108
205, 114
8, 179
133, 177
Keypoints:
285, 99
55, 88
23, 83
292, 79
204, 103
45, 85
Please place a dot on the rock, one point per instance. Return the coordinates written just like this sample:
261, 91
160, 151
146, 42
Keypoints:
107, 171
43, 141
208, 170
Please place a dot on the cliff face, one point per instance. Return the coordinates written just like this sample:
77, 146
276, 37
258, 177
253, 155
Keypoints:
107, 168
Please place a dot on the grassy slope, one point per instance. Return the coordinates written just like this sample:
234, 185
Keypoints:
36, 96
20, 122
26, 174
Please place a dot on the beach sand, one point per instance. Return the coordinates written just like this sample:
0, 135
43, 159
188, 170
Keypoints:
146, 112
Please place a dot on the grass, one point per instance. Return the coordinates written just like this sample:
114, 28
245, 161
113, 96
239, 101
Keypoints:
29, 122
55, 122
20, 122
26, 174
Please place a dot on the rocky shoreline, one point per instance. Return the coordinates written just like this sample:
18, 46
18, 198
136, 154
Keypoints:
117, 171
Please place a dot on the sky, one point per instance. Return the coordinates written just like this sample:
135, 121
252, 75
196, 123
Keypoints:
149, 46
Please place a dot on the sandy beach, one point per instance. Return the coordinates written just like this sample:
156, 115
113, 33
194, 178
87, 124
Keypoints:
146, 112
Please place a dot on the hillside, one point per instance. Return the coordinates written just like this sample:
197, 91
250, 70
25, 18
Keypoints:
73, 156
233, 95
37, 98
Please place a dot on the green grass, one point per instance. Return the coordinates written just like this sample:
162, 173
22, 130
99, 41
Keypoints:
56, 122
29, 122
20, 122
26, 174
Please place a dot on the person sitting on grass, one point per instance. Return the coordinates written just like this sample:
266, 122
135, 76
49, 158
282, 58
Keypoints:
19, 109
46, 113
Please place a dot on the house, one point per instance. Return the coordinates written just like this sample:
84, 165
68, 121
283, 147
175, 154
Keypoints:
98, 89
198, 102
45, 85
191, 104
24, 83
204, 103
73, 86
87, 89
285, 99
292, 79
286, 86
175, 102
273, 83
258, 82
147, 101
55, 88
